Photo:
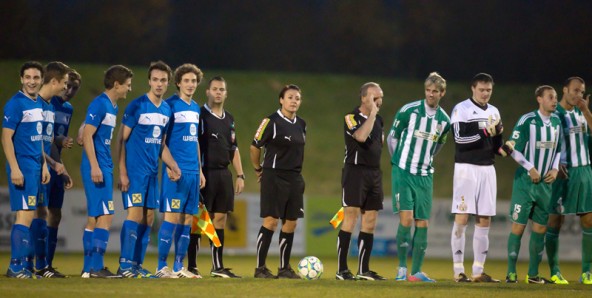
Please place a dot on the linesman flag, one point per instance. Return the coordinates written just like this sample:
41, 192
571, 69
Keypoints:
337, 218
202, 223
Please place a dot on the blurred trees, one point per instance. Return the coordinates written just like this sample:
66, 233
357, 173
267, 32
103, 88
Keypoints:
525, 40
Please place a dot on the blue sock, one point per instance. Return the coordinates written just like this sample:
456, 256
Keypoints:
129, 238
52, 243
181, 245
165, 237
87, 245
178, 233
19, 246
39, 235
141, 244
99, 242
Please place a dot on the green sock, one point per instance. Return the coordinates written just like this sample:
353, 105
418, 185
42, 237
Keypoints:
552, 248
420, 243
513, 251
403, 238
535, 249
586, 249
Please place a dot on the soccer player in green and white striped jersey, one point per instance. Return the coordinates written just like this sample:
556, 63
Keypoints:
535, 145
418, 133
573, 195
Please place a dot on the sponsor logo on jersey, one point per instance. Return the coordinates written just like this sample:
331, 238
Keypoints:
49, 129
545, 145
155, 139
193, 129
61, 130
39, 127
577, 129
31, 200
425, 135
350, 121
261, 129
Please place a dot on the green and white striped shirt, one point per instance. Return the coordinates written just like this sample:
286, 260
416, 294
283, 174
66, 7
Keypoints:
538, 139
575, 150
418, 133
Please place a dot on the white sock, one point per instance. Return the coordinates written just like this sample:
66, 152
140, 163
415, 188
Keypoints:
457, 243
480, 248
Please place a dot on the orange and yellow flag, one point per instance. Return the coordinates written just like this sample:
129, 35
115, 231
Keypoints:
337, 218
202, 223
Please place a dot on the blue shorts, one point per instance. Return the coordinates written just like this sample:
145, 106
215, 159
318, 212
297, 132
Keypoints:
142, 192
99, 196
25, 197
56, 190
181, 196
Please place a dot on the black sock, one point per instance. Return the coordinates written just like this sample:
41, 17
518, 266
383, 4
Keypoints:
365, 242
263, 243
286, 240
192, 250
343, 240
217, 262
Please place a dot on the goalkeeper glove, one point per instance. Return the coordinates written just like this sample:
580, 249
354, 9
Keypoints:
493, 128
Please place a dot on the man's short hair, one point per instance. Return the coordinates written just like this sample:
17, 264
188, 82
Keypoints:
116, 73
185, 69
55, 70
437, 80
481, 78
288, 87
32, 64
540, 90
160, 65
73, 75
366, 86
216, 78
570, 79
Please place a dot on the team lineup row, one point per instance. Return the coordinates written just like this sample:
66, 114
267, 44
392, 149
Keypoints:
197, 144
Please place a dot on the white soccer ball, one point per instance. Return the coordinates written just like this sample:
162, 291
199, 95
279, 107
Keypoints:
310, 268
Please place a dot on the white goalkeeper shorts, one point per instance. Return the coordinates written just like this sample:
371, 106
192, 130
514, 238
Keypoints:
474, 189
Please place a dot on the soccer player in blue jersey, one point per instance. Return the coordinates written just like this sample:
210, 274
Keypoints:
54, 83
97, 169
25, 165
179, 199
145, 123
59, 183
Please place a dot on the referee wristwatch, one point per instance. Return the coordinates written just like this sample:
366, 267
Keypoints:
242, 176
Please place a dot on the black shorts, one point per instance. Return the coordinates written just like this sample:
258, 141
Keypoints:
282, 194
218, 194
361, 187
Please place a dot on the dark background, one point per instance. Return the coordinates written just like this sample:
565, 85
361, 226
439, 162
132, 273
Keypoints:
535, 41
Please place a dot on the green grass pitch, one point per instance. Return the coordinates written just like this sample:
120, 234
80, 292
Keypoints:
327, 286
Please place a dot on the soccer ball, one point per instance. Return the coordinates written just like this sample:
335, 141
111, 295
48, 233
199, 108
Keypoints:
310, 268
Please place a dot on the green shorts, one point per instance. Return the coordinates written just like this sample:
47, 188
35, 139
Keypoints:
529, 200
412, 193
579, 191
558, 196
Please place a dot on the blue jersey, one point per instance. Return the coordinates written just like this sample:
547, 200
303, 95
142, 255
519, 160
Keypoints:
48, 120
182, 133
101, 114
25, 116
148, 123
63, 115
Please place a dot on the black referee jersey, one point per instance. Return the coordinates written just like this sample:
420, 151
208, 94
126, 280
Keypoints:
283, 141
217, 139
368, 152
469, 120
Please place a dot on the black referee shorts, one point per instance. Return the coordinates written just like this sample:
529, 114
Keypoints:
361, 187
282, 194
218, 193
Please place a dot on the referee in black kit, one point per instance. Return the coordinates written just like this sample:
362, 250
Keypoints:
218, 145
361, 181
282, 135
